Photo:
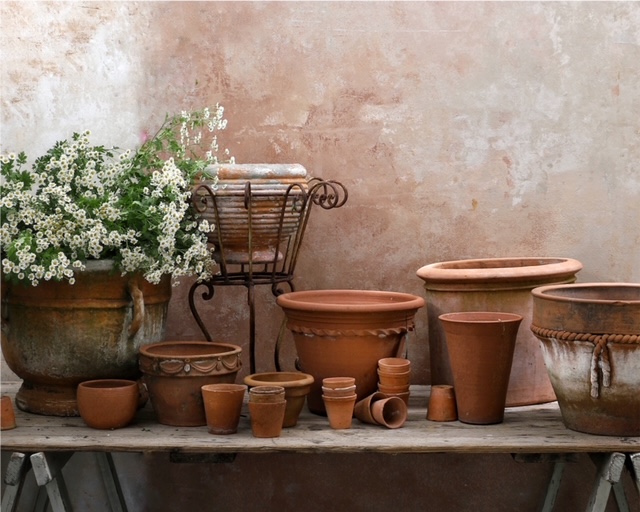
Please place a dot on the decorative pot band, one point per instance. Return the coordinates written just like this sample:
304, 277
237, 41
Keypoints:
190, 367
600, 356
351, 332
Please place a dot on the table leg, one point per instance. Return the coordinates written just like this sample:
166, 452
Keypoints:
610, 468
552, 488
47, 469
634, 467
14, 478
111, 482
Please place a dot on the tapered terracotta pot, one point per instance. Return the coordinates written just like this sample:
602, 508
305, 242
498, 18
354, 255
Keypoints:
481, 346
494, 284
175, 371
56, 335
590, 336
341, 333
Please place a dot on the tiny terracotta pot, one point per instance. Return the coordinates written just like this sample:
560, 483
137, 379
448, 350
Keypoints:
394, 379
390, 412
394, 364
266, 394
107, 403
340, 410
222, 406
442, 403
348, 391
393, 389
403, 396
267, 418
7, 414
362, 410
296, 388
338, 382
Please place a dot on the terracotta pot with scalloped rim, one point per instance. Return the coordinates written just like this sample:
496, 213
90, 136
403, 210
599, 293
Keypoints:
175, 371
344, 333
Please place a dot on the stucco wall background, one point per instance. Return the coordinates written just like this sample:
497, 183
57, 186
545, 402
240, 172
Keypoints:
461, 129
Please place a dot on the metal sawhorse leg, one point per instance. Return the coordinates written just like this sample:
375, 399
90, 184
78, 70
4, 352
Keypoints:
47, 469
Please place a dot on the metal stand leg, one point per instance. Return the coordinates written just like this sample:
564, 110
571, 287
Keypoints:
14, 478
48, 472
111, 482
610, 468
634, 467
553, 487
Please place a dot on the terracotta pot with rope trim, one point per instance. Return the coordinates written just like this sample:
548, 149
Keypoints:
590, 336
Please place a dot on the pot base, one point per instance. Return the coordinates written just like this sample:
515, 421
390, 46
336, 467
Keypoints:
49, 400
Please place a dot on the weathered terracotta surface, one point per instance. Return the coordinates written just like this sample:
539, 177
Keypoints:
108, 403
442, 403
481, 346
271, 205
7, 414
494, 284
222, 406
390, 412
296, 388
346, 332
175, 371
590, 336
57, 335
266, 417
340, 410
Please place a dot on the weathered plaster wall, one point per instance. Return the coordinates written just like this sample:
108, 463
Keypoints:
461, 129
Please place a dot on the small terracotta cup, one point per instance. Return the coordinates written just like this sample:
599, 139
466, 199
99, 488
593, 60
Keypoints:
340, 410
393, 389
442, 403
267, 418
348, 391
222, 406
394, 364
108, 403
338, 382
394, 379
390, 412
266, 394
362, 409
7, 414
403, 396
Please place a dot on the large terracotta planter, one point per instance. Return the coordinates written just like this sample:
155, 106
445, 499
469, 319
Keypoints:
266, 199
175, 371
590, 336
494, 284
480, 346
56, 335
343, 333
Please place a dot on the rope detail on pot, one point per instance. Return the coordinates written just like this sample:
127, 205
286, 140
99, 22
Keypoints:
350, 332
600, 362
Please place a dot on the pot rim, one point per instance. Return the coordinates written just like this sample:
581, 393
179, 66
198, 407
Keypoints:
554, 293
480, 317
508, 269
291, 379
108, 384
150, 350
349, 300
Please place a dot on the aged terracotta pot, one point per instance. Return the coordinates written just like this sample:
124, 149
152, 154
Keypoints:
346, 332
56, 335
223, 406
390, 412
590, 336
108, 403
494, 284
362, 409
442, 403
481, 346
267, 406
296, 388
266, 196
175, 371
7, 414
340, 410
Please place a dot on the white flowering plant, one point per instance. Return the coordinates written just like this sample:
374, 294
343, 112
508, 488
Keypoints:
81, 202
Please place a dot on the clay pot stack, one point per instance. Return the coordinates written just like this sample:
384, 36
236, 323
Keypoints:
266, 407
379, 409
339, 397
394, 375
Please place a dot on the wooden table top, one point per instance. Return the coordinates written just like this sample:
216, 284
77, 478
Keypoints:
528, 429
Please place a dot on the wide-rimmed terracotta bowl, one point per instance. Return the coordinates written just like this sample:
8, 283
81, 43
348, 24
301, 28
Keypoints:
590, 336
